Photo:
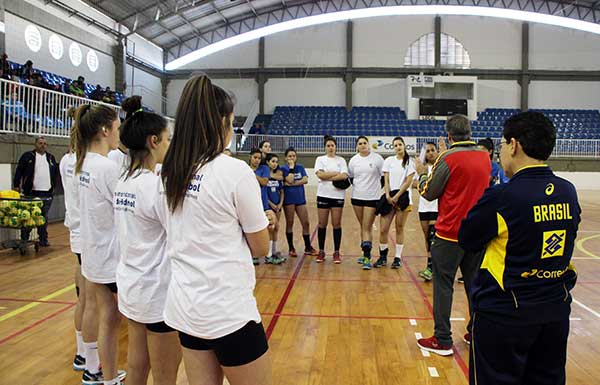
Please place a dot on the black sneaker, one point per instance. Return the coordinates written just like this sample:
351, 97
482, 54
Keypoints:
78, 363
381, 262
397, 263
92, 378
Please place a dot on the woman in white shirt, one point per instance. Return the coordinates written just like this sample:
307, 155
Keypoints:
365, 169
95, 178
216, 223
144, 271
330, 168
428, 210
398, 171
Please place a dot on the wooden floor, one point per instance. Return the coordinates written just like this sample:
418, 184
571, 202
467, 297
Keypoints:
328, 324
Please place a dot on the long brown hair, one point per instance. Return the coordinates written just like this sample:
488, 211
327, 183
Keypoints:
89, 120
199, 135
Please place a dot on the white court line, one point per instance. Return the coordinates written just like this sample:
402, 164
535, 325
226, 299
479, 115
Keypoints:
425, 353
457, 319
418, 335
586, 308
413, 322
574, 319
588, 231
592, 258
433, 372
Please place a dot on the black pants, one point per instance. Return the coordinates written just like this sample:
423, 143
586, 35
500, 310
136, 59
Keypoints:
42, 230
518, 355
446, 258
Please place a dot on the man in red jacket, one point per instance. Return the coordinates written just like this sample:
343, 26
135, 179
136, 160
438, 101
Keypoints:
458, 179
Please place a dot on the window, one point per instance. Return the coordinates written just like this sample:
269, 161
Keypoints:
421, 53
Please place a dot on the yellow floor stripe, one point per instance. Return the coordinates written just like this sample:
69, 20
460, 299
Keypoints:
34, 304
583, 250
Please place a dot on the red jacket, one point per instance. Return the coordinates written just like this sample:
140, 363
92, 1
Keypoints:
458, 179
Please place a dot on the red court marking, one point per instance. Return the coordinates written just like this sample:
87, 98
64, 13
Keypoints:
27, 328
287, 292
37, 300
338, 280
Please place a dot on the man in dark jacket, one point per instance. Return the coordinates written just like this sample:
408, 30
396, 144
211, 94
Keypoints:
521, 293
36, 176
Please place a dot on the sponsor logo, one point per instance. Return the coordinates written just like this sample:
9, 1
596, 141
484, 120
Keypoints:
553, 244
543, 274
549, 189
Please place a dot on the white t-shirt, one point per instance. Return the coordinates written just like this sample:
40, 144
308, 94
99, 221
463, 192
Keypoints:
67, 169
426, 206
41, 174
121, 158
99, 249
143, 272
325, 188
398, 173
212, 282
366, 171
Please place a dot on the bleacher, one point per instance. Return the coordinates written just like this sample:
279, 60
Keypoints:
391, 121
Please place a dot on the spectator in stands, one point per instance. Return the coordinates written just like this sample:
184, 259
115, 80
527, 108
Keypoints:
77, 89
36, 176
109, 97
38, 80
5, 69
81, 81
66, 87
98, 93
27, 70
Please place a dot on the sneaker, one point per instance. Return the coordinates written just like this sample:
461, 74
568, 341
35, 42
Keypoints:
426, 274
431, 345
337, 258
292, 254
255, 261
381, 262
397, 263
311, 253
78, 363
367, 264
467, 338
97, 378
460, 280
273, 260
361, 260
321, 257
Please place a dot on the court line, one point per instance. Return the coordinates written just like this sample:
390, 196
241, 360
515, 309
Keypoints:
33, 325
457, 357
287, 292
34, 304
336, 280
580, 247
586, 308
349, 316
37, 300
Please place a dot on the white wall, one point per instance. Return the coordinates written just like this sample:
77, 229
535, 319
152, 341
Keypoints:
491, 42
498, 94
245, 91
318, 46
559, 94
379, 92
146, 85
18, 52
145, 51
304, 92
563, 49
383, 41
241, 56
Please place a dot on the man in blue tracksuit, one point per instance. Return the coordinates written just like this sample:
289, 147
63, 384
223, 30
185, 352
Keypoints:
521, 293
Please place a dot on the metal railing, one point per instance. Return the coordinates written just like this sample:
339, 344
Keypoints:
565, 148
32, 110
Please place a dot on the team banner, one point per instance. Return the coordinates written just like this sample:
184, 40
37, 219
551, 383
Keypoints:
384, 145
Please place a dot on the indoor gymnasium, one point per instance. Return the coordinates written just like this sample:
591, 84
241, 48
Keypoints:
299, 192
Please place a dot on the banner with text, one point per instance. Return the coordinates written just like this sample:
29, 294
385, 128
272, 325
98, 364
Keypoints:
384, 145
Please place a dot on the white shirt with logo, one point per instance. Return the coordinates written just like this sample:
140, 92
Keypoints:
144, 271
99, 249
41, 174
398, 173
212, 281
366, 171
121, 158
426, 206
325, 188
67, 169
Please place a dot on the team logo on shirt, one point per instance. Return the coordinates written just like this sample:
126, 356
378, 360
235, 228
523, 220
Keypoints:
554, 243
549, 189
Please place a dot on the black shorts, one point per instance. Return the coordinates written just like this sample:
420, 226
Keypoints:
112, 287
329, 203
78, 258
428, 216
159, 327
236, 349
364, 203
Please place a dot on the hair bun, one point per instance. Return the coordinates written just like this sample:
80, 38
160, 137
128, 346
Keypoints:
132, 104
